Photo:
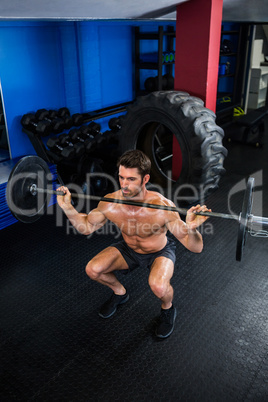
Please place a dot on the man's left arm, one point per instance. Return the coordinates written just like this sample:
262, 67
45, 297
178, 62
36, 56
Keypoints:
186, 232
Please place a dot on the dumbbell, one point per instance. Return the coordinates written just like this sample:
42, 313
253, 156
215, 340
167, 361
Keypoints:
56, 124
53, 144
29, 122
99, 139
85, 137
78, 135
114, 124
63, 111
78, 146
151, 83
105, 137
92, 129
78, 119
169, 81
64, 115
88, 132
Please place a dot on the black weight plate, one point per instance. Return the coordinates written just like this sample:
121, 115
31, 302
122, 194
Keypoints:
25, 206
243, 225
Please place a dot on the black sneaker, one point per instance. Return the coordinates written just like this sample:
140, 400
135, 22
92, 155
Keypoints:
110, 306
167, 322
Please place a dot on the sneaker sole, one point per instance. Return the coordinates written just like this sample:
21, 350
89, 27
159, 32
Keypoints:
172, 329
114, 311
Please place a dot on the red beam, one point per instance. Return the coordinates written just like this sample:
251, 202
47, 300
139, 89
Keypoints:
198, 38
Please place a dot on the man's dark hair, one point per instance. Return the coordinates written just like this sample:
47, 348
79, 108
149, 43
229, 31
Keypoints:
135, 159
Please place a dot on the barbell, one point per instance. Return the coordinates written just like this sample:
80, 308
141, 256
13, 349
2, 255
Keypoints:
31, 177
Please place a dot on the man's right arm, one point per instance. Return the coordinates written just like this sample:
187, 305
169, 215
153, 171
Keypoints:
83, 223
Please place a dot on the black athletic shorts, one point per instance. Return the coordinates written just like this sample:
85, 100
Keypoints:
135, 260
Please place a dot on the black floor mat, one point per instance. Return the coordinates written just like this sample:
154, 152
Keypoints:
54, 346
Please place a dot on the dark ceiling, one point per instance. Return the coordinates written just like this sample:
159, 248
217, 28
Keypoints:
233, 10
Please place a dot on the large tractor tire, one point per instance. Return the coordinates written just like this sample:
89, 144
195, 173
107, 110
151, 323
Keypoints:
152, 123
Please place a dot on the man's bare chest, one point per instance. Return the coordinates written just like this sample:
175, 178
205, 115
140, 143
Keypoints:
142, 224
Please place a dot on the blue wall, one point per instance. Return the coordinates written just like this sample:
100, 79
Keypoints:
31, 75
82, 65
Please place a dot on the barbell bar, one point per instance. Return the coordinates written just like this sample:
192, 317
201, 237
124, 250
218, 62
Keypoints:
31, 176
33, 189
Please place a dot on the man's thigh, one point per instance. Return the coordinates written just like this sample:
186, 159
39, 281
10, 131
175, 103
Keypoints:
162, 269
108, 260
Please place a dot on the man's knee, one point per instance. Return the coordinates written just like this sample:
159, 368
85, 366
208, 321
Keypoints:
93, 270
159, 286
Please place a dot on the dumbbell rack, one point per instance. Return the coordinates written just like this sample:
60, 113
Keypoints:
52, 157
139, 65
39, 146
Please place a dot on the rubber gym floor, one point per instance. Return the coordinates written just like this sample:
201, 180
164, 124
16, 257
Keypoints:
54, 346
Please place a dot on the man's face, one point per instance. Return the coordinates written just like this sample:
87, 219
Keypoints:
131, 182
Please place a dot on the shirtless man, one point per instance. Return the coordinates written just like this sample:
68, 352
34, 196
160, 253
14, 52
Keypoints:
145, 242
